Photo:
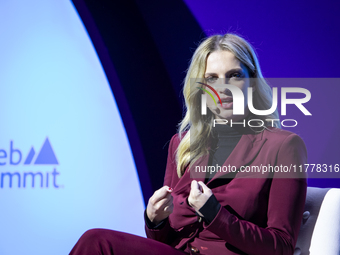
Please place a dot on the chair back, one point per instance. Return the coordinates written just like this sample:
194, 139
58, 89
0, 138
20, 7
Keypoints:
320, 226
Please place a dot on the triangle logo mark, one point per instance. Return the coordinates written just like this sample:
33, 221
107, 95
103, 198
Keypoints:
29, 157
46, 155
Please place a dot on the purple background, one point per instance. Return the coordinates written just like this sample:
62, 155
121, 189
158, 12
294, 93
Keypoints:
292, 39
145, 47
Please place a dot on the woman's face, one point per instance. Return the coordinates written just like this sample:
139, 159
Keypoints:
224, 68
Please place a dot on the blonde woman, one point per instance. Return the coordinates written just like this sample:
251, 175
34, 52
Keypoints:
214, 201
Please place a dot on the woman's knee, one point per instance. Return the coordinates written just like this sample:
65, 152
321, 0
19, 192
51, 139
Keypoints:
91, 242
95, 235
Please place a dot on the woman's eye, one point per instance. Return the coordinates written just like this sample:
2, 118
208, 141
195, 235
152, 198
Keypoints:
210, 79
236, 75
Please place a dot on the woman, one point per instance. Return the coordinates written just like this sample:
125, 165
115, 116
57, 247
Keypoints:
228, 207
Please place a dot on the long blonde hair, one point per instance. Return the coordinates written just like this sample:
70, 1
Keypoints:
197, 127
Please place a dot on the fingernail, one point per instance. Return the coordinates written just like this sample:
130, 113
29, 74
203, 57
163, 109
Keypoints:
170, 189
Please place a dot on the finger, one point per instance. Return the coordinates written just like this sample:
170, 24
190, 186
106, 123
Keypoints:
200, 187
165, 203
194, 185
169, 208
161, 193
195, 190
168, 188
205, 189
166, 199
168, 196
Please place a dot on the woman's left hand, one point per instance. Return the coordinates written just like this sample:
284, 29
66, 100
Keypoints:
199, 194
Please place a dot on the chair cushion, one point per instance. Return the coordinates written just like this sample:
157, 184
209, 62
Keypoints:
313, 203
326, 234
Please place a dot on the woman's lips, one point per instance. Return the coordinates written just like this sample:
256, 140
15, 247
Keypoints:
227, 105
227, 102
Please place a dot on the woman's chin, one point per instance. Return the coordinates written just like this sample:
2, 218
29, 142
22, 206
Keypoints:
226, 115
228, 118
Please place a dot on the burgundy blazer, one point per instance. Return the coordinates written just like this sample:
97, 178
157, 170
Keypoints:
260, 214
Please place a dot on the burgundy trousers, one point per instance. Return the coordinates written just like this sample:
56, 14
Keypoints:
105, 241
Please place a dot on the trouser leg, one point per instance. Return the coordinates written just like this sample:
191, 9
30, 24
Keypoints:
104, 241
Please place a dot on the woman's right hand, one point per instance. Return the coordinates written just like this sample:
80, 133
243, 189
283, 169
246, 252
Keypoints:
160, 205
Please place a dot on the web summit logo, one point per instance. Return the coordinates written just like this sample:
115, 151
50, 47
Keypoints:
13, 157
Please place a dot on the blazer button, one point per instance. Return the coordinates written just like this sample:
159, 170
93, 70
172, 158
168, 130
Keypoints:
194, 249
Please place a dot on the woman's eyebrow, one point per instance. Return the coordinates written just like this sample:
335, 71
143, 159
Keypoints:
229, 71
210, 74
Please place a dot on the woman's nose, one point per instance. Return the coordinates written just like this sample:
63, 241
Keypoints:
224, 90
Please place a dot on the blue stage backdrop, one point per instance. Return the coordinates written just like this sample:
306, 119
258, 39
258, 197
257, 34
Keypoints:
65, 161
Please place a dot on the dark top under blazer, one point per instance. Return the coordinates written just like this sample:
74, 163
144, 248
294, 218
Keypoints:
258, 216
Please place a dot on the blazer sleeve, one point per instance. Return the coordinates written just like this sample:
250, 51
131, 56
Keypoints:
166, 234
285, 208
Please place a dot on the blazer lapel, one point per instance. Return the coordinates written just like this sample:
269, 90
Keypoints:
243, 154
192, 174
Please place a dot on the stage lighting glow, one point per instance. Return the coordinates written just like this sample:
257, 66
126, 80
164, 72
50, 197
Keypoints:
65, 161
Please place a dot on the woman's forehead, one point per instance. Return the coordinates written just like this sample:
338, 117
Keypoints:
221, 62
